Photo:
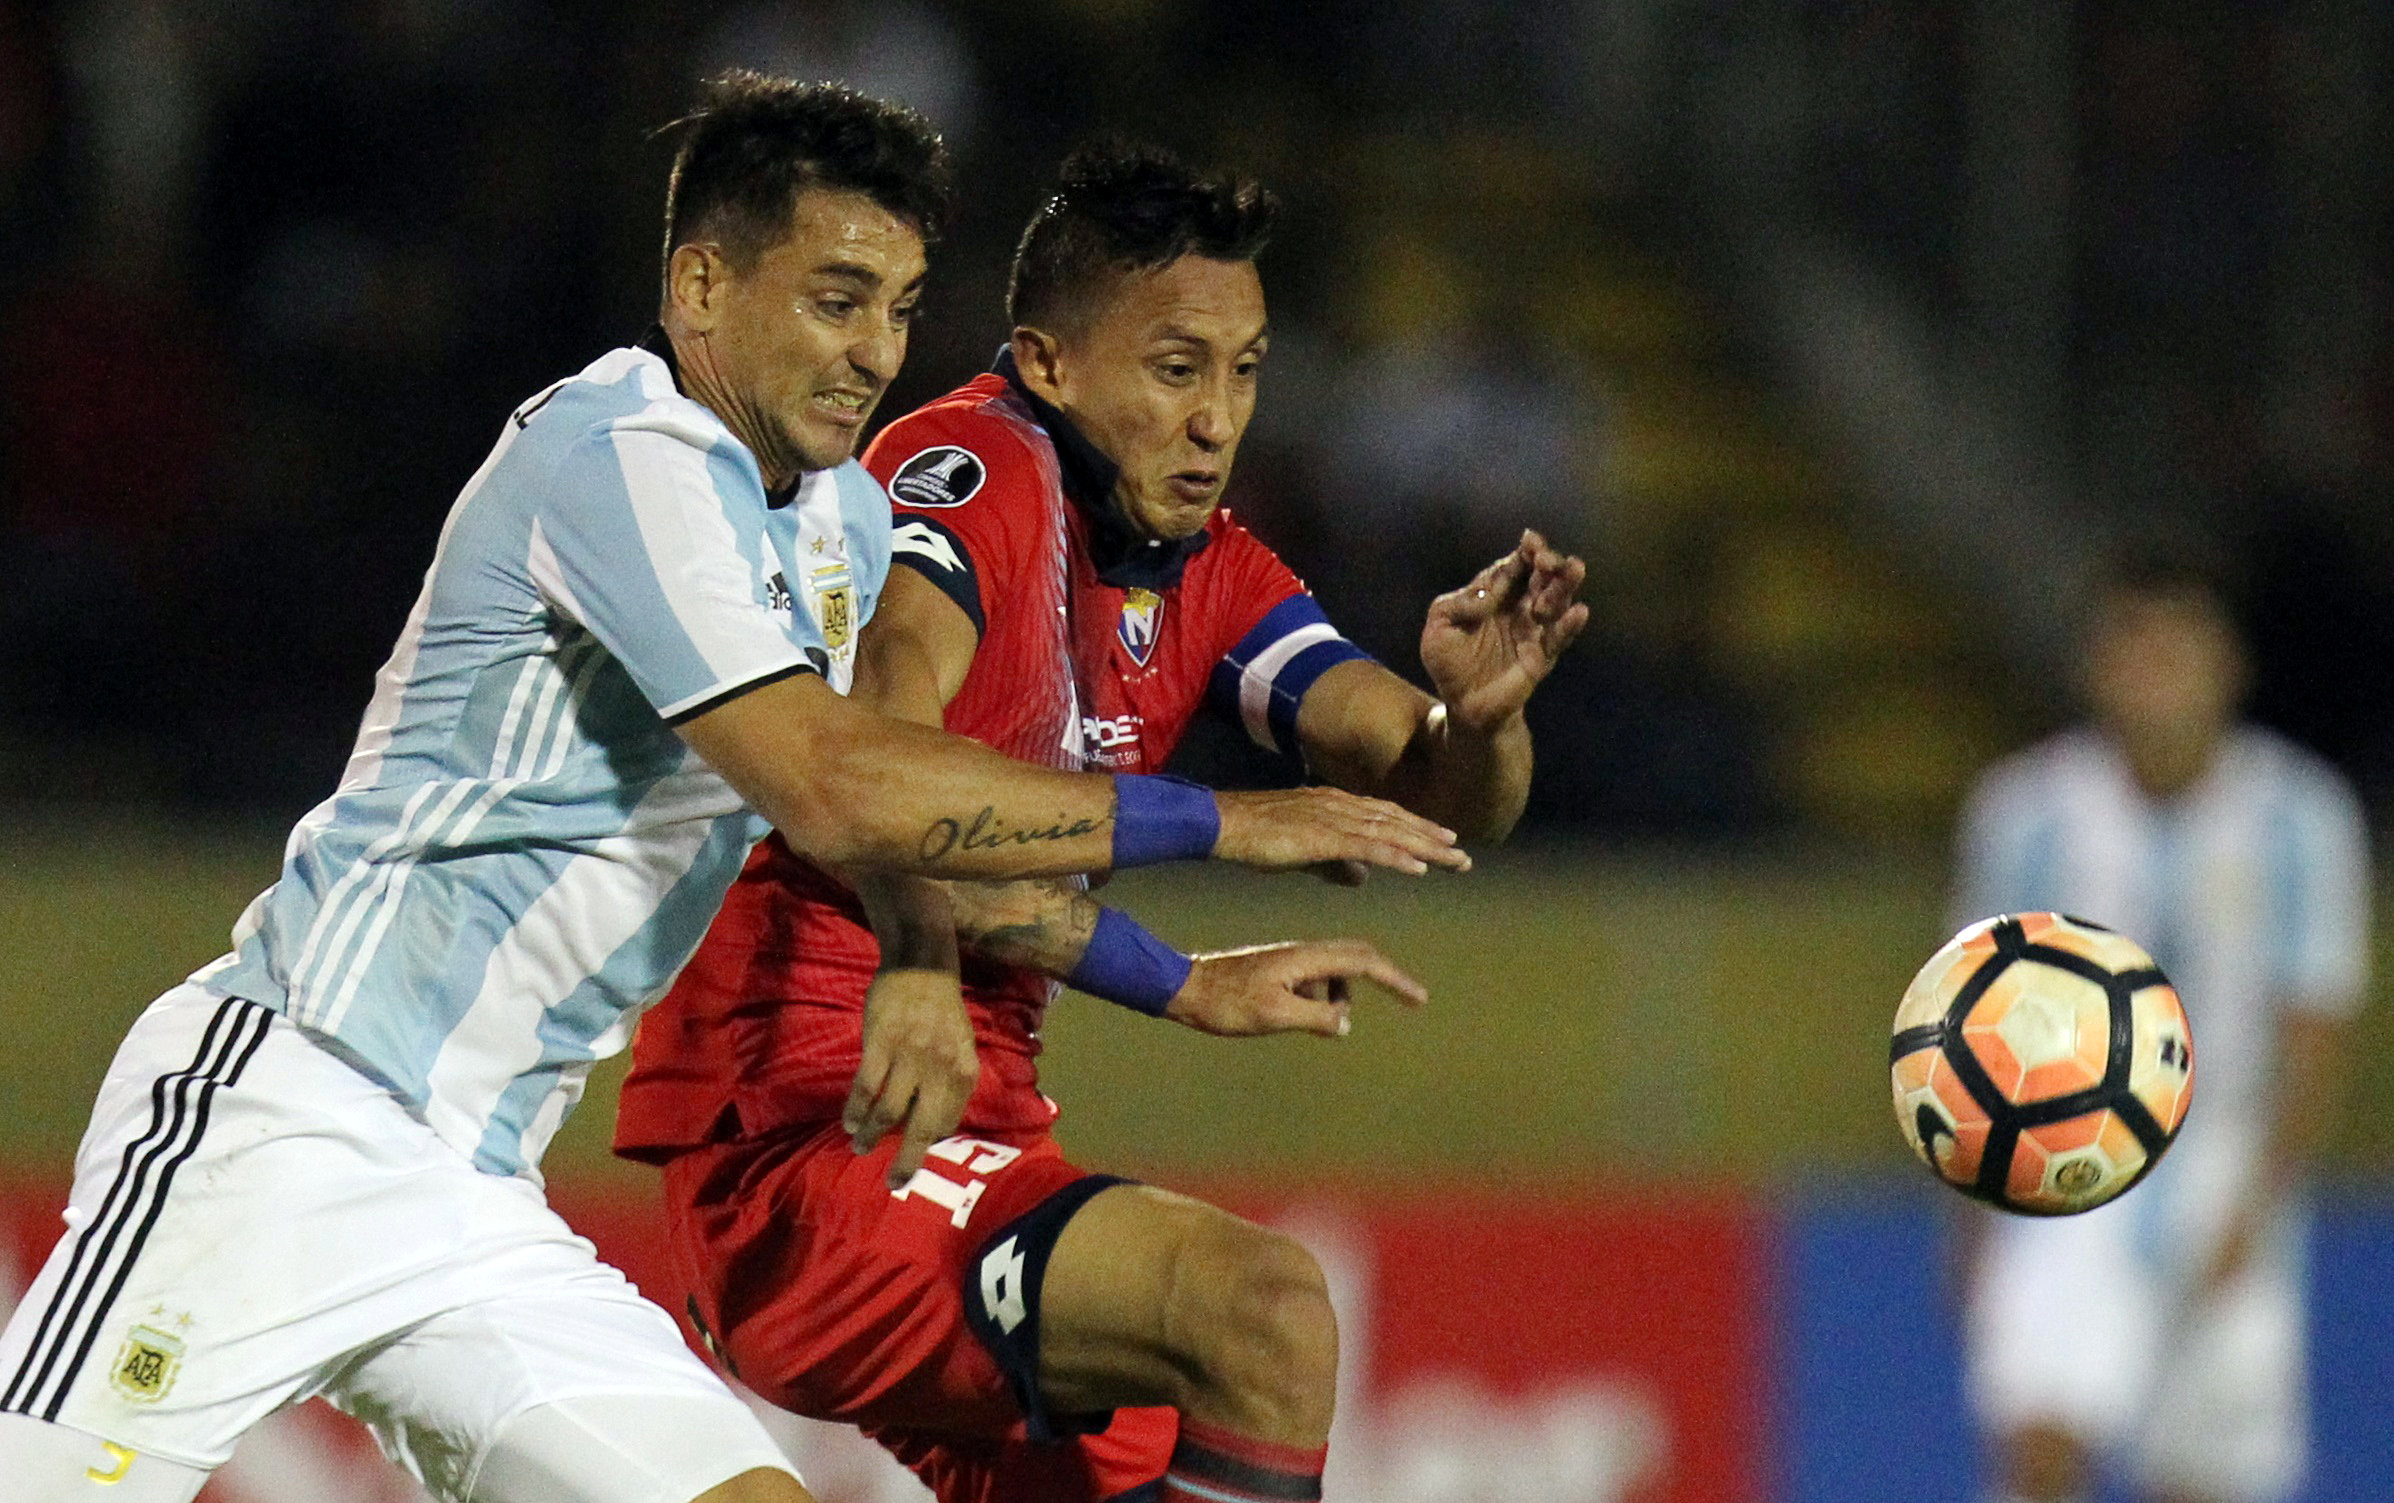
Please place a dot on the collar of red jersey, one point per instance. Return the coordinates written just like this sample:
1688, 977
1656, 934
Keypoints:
1123, 557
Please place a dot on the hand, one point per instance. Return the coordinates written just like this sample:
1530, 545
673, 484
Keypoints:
1300, 987
1285, 829
1487, 645
919, 1066
2233, 1253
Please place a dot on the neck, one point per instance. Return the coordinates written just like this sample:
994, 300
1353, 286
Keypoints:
2166, 766
702, 381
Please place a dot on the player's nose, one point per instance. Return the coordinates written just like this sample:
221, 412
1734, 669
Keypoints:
878, 352
1211, 427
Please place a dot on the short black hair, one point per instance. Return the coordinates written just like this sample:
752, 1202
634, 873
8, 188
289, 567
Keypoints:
1121, 208
2152, 559
753, 143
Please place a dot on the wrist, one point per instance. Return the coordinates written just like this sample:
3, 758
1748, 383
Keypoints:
1160, 818
1126, 965
918, 947
1442, 723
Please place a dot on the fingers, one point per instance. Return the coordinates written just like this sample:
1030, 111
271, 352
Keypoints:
1565, 630
1398, 837
937, 1109
861, 1117
918, 1069
1340, 961
1308, 827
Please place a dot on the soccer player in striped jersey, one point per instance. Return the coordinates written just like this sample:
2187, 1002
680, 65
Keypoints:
2164, 1333
1068, 590
312, 1169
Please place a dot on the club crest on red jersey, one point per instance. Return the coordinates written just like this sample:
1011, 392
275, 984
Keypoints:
1142, 614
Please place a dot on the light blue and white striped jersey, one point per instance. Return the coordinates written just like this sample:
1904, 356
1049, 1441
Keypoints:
2251, 890
522, 852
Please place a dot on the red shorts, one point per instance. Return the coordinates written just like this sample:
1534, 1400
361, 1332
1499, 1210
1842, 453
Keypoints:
913, 1316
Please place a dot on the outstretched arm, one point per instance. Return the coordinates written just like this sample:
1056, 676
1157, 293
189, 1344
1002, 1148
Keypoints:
852, 787
1464, 757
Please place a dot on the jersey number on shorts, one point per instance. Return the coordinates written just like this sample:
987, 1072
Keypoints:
974, 1157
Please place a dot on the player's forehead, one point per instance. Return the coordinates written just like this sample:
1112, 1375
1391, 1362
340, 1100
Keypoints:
844, 235
2162, 611
1195, 300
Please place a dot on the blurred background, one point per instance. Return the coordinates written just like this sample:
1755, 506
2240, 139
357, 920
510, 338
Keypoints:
1836, 335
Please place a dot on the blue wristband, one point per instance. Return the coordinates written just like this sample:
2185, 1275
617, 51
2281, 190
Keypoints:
1157, 818
1126, 964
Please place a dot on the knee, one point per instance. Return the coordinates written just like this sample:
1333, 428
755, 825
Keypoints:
760, 1486
1252, 1315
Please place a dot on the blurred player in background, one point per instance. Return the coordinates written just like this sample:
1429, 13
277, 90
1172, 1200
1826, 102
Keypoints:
2166, 1329
1071, 593
312, 1168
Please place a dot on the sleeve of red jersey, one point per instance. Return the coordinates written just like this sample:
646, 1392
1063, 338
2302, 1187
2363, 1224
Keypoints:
957, 485
1276, 641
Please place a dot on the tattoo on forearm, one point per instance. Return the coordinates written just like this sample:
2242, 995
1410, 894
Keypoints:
1050, 936
983, 832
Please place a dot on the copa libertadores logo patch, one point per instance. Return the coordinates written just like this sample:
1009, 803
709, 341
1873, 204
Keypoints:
942, 476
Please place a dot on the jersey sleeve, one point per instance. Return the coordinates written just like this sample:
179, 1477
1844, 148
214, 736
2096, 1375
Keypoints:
657, 546
960, 487
1278, 643
2320, 881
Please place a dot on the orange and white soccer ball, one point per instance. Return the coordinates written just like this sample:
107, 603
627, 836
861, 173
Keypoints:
2041, 1063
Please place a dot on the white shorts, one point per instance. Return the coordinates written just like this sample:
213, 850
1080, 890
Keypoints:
2076, 1322
254, 1222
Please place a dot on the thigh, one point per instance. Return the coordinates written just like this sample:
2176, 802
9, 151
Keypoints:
1143, 1283
56, 1464
2063, 1325
1115, 1465
625, 1448
199, 1283
2230, 1404
833, 1297
562, 1347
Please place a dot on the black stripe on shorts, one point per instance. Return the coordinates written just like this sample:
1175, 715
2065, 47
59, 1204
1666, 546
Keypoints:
97, 1270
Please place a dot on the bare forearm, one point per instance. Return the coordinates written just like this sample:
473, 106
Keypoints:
1042, 926
853, 788
1473, 782
911, 917
2309, 1090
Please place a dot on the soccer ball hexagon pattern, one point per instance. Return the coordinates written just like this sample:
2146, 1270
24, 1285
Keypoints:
2041, 1063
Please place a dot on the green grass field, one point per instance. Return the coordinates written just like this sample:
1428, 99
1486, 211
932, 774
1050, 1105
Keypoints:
1590, 1018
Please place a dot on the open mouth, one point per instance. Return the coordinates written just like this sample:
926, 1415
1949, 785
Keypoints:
1195, 485
843, 406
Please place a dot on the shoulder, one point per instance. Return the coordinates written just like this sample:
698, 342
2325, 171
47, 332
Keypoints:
2275, 766
1239, 568
622, 414
2037, 775
973, 449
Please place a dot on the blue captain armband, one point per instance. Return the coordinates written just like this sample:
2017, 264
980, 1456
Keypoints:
1128, 966
1157, 818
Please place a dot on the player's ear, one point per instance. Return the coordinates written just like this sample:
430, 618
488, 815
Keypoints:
695, 281
1038, 356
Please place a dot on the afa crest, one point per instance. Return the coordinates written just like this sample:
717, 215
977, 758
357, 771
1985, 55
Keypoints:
1142, 616
146, 1366
835, 605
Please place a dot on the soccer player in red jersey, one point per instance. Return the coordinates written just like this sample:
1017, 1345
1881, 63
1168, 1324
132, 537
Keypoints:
1011, 1326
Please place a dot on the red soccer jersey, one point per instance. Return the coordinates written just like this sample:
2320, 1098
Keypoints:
1096, 649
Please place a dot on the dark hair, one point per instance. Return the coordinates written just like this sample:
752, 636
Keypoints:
2156, 560
1122, 208
753, 143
